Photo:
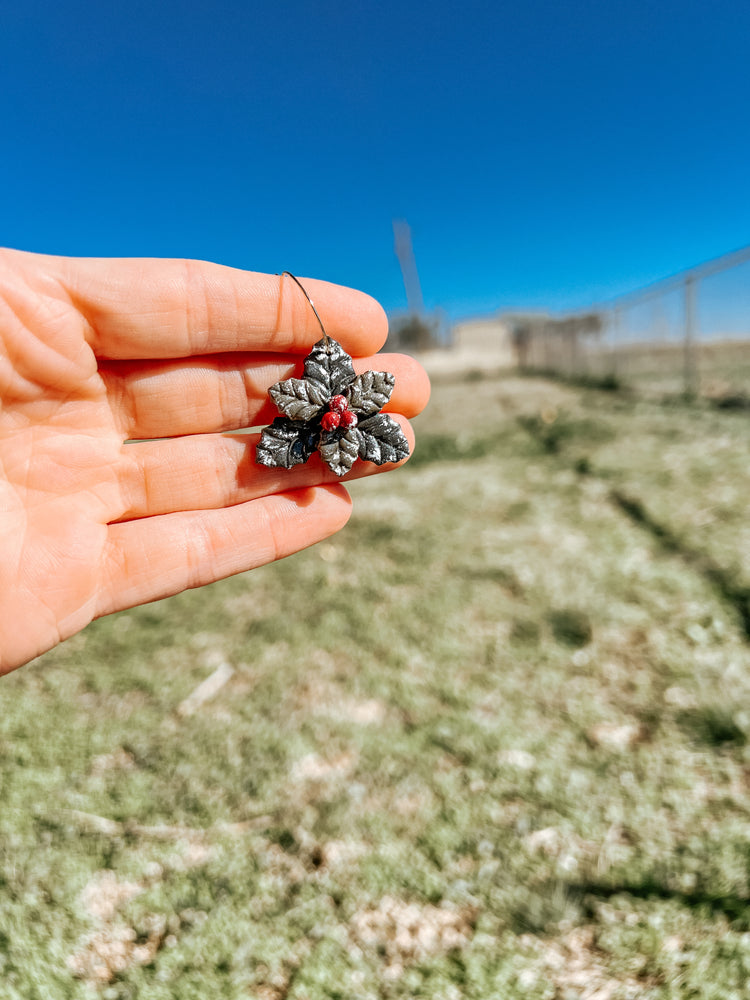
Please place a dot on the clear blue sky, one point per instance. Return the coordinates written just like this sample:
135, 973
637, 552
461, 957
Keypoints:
544, 153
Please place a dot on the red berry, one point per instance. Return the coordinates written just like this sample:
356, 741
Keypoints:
330, 421
349, 419
338, 404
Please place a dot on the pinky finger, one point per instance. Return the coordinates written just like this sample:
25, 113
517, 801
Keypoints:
155, 557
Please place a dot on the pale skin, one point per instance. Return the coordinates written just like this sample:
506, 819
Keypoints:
94, 353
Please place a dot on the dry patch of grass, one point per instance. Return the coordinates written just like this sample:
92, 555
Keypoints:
404, 933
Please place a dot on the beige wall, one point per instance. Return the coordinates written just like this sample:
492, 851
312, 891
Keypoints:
478, 344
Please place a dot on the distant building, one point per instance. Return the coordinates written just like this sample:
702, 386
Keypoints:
503, 341
481, 344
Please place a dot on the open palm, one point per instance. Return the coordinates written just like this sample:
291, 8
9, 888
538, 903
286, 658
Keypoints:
119, 380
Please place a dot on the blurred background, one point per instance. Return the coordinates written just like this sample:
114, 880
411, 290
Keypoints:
492, 739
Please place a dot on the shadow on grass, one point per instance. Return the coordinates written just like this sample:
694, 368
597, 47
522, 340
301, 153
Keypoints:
736, 908
552, 434
558, 900
570, 626
732, 401
713, 725
733, 593
551, 437
448, 448
608, 382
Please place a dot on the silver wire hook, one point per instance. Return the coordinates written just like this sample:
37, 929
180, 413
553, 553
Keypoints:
312, 305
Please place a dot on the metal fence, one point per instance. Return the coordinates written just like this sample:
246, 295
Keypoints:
686, 334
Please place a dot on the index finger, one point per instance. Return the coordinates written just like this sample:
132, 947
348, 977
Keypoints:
140, 308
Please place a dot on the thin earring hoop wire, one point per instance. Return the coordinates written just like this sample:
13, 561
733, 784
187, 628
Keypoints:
312, 304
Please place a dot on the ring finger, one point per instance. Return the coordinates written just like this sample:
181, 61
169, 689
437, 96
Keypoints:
209, 471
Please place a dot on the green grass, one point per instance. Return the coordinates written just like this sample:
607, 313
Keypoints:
488, 742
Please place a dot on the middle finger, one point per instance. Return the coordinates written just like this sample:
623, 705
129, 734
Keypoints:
224, 392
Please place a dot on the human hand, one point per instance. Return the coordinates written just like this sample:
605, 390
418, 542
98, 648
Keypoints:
96, 352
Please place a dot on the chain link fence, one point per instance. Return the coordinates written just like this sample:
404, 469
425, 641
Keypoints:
689, 334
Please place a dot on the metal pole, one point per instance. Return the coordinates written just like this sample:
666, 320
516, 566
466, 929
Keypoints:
405, 253
691, 317
616, 332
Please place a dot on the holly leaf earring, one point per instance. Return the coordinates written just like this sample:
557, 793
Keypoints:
340, 417
333, 411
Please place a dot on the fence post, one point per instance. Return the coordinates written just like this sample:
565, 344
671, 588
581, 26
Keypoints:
616, 332
690, 359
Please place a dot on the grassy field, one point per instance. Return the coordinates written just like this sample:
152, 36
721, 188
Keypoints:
489, 742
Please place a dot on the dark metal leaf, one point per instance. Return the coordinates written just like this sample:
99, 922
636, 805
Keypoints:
340, 451
297, 398
285, 443
293, 437
370, 392
330, 366
381, 440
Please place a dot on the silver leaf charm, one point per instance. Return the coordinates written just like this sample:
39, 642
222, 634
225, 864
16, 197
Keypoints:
340, 453
298, 399
333, 411
370, 392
